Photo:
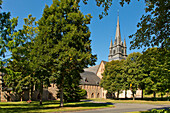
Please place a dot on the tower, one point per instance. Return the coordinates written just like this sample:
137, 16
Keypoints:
118, 50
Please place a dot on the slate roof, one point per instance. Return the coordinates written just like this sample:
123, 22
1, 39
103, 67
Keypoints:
89, 78
92, 69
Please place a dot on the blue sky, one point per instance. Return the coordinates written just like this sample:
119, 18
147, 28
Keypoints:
102, 31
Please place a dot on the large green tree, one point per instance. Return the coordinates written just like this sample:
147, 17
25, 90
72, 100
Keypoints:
157, 66
19, 74
113, 79
62, 47
134, 72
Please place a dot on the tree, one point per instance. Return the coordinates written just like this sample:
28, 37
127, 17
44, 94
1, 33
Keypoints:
7, 28
72, 92
62, 48
113, 79
134, 72
19, 64
154, 26
157, 66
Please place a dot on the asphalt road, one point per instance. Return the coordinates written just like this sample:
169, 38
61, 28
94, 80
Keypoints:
125, 107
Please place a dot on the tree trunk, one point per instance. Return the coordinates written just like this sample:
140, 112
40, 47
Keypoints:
161, 95
29, 93
118, 94
133, 93
142, 94
125, 93
61, 97
41, 92
154, 94
21, 96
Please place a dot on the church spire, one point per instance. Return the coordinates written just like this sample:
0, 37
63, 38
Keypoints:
124, 44
111, 44
118, 36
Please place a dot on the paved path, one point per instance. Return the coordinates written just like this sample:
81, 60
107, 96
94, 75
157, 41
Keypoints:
125, 107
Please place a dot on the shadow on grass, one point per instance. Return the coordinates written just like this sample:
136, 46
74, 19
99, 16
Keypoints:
34, 106
80, 104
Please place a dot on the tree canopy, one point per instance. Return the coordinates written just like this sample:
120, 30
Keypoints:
62, 48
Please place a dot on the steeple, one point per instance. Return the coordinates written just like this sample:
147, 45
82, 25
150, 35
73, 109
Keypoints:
118, 50
118, 36
124, 44
111, 44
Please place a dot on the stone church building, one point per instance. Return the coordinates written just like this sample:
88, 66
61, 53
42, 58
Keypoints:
90, 81
93, 75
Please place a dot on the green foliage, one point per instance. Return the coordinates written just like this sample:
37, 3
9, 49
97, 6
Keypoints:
0, 3
7, 28
19, 73
73, 93
106, 4
153, 30
62, 48
157, 65
113, 79
134, 71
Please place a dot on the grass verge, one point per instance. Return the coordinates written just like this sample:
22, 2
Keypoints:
133, 101
48, 106
152, 111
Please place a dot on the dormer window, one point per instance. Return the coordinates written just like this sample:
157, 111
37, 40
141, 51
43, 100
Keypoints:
97, 83
85, 80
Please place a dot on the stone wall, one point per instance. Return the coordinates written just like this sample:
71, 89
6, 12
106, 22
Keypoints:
93, 91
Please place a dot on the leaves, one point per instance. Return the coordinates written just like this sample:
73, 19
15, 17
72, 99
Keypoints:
153, 30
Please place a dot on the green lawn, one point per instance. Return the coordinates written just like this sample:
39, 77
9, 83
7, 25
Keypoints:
132, 101
152, 111
48, 106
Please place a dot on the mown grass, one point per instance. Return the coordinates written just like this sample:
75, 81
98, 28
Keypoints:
133, 101
153, 111
48, 106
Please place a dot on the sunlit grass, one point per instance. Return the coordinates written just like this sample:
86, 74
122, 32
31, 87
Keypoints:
48, 106
133, 101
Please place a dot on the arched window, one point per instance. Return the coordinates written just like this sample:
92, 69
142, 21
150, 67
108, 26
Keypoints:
92, 95
98, 95
114, 51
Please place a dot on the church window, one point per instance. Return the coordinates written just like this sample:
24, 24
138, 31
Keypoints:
113, 51
92, 95
97, 95
122, 50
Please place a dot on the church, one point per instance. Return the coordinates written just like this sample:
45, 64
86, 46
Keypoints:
90, 81
93, 75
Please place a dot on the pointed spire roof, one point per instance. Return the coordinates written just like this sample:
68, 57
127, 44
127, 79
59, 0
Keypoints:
124, 44
118, 35
111, 44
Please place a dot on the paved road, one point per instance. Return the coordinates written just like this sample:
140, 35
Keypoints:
125, 107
